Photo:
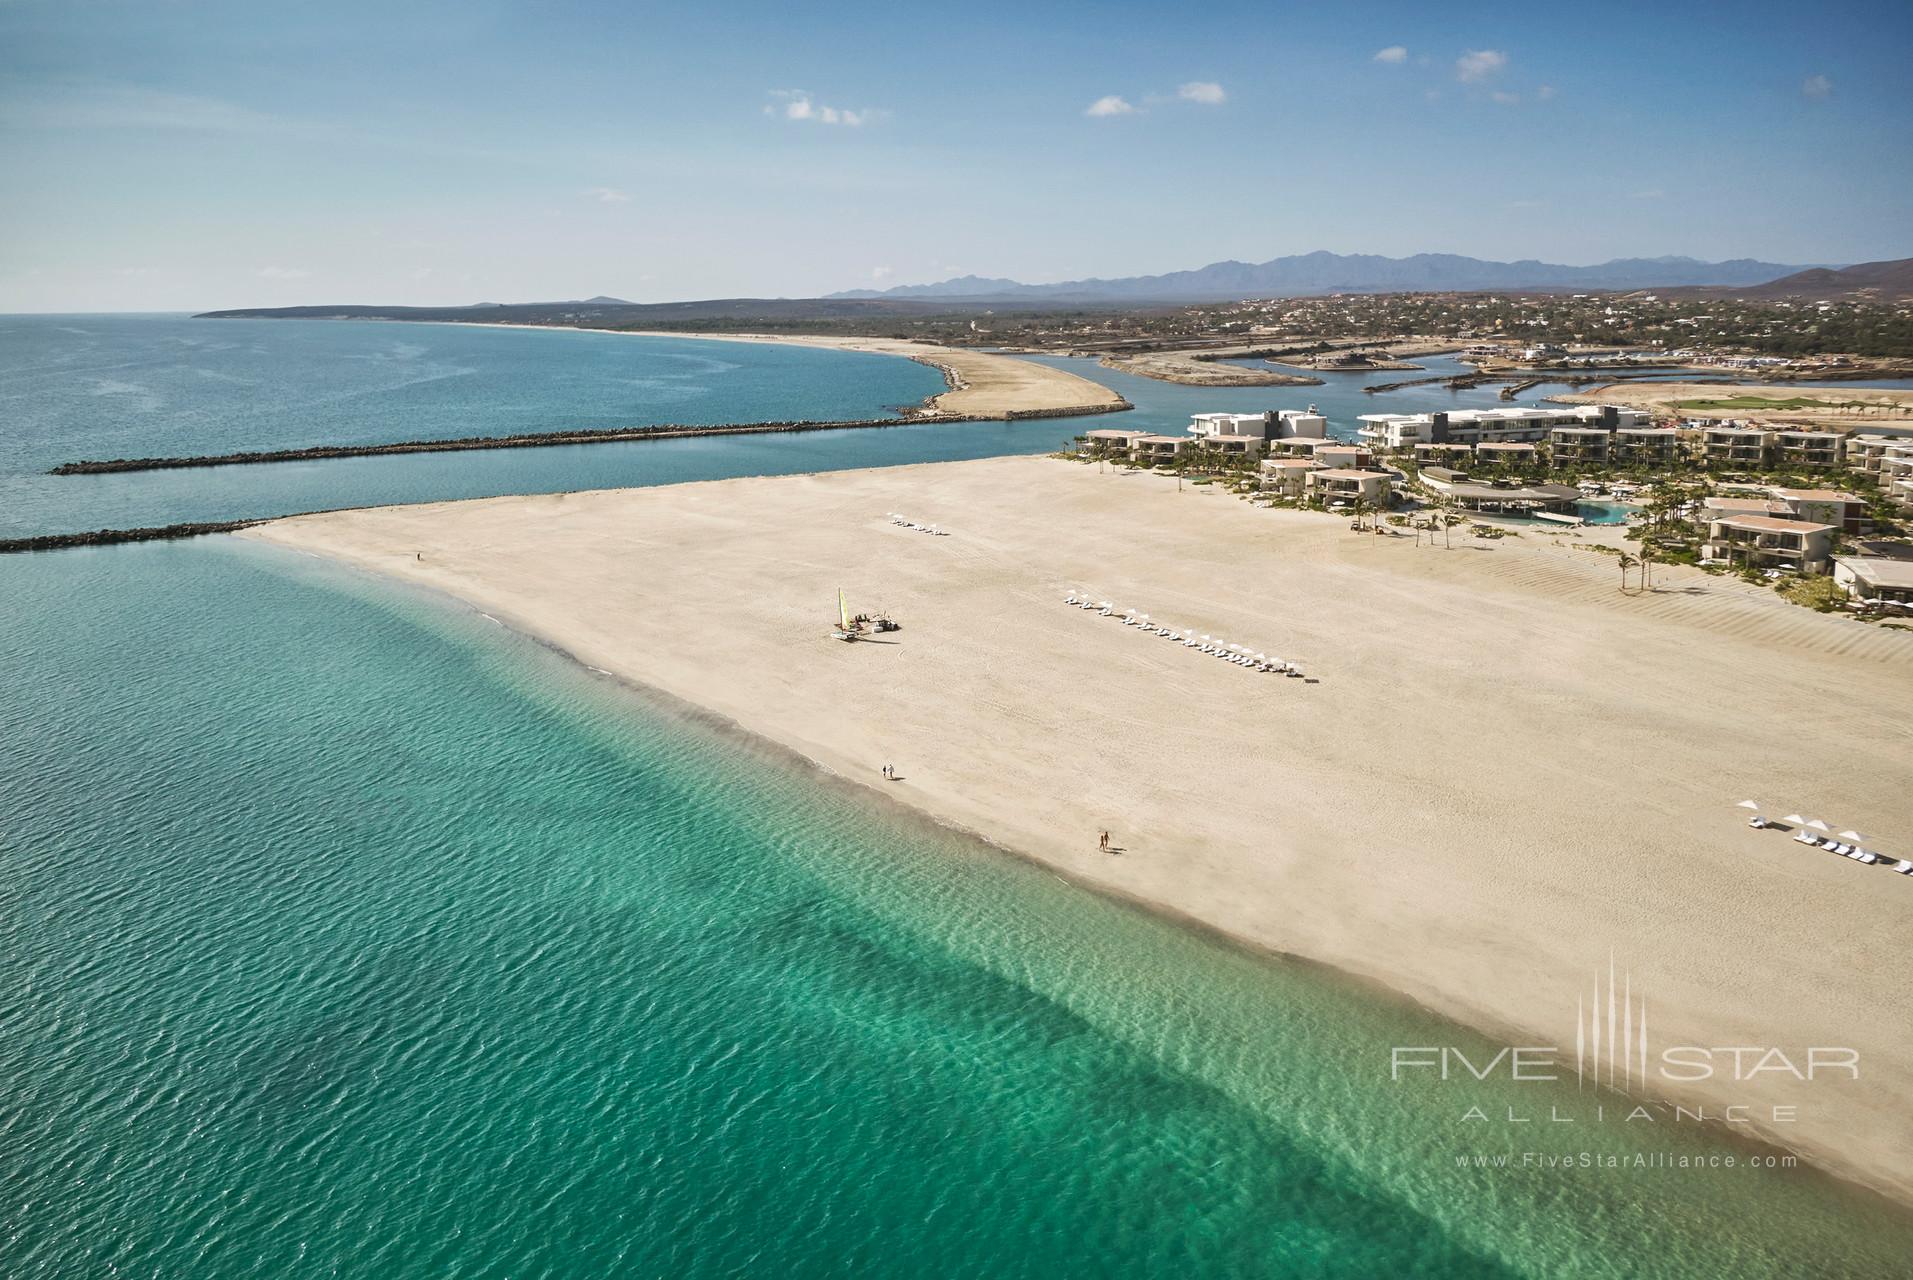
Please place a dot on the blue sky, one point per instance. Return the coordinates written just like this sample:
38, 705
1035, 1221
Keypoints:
193, 155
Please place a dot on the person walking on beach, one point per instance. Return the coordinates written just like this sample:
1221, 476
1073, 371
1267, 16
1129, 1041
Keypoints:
1102, 842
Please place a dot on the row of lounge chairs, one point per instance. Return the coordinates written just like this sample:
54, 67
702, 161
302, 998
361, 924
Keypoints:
1853, 851
1237, 654
930, 529
1815, 834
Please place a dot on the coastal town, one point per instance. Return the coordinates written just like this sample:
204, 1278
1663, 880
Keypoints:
1821, 514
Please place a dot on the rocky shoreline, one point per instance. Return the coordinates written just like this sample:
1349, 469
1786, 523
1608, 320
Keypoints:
109, 537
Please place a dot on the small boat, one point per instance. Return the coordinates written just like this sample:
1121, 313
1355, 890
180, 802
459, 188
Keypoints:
846, 630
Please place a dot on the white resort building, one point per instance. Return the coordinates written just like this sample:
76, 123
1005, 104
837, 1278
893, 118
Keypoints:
1279, 424
1340, 484
1400, 432
1769, 542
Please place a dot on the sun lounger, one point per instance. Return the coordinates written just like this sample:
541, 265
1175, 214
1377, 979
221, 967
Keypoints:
1904, 867
1802, 837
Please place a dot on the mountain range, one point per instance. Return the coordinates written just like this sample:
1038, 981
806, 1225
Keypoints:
1322, 272
1880, 281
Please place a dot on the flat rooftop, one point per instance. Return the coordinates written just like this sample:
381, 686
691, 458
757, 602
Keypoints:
1773, 524
1818, 495
1880, 571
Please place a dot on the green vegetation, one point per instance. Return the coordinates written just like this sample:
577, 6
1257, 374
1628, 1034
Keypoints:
1792, 404
1820, 594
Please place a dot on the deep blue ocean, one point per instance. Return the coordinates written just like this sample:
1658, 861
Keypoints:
347, 933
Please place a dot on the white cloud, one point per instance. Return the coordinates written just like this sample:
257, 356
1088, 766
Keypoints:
1393, 53
1479, 64
282, 273
608, 195
1816, 86
1504, 98
1544, 93
1108, 106
1207, 92
880, 273
949, 270
798, 105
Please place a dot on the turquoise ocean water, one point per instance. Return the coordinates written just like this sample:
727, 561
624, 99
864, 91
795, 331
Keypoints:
347, 933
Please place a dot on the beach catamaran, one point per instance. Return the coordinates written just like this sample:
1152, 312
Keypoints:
849, 628
846, 629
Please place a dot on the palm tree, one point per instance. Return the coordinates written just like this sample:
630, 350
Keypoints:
1361, 509
1627, 562
1647, 554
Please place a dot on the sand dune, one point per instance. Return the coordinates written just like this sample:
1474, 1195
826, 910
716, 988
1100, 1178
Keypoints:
1508, 772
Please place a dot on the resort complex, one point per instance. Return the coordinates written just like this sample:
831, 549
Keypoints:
1756, 499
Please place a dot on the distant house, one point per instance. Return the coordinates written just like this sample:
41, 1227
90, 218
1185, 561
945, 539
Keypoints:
1155, 448
1342, 484
1579, 446
1803, 448
1750, 447
1507, 453
1107, 441
1287, 477
1769, 542
1279, 424
1844, 511
1645, 446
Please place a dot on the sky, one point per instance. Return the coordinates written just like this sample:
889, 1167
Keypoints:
173, 155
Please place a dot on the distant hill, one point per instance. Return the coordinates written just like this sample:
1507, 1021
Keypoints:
1321, 273
1884, 281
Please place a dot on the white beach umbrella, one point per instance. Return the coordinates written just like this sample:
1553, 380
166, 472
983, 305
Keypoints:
1747, 804
1793, 819
1818, 825
1853, 835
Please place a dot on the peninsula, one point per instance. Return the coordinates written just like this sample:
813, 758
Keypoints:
1500, 768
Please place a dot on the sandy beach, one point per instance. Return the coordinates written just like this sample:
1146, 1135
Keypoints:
1202, 368
982, 383
1506, 773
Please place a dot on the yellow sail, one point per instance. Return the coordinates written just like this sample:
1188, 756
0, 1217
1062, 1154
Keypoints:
843, 610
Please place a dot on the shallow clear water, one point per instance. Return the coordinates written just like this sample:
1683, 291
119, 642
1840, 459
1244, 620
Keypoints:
349, 933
